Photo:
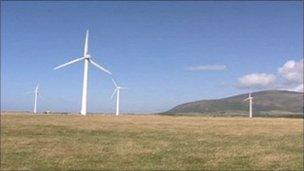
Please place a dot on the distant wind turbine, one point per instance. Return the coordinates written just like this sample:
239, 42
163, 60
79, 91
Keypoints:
250, 104
117, 91
87, 59
35, 92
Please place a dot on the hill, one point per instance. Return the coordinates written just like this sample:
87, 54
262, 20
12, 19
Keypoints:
265, 103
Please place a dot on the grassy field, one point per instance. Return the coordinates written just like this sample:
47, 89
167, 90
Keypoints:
150, 142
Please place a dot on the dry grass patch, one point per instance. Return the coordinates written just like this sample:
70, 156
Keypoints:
150, 142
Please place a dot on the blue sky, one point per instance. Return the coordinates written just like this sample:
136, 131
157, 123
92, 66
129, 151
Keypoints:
148, 46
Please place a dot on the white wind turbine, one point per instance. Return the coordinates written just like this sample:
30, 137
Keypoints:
87, 59
250, 104
117, 91
35, 92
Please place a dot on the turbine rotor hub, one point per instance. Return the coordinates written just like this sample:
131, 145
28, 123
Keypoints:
88, 56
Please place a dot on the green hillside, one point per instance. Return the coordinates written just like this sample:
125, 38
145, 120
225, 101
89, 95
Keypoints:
270, 103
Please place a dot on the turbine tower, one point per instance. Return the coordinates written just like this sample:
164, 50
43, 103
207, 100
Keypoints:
250, 104
87, 59
117, 91
35, 92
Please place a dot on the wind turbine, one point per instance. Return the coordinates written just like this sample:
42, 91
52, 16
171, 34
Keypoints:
250, 104
117, 91
87, 59
35, 92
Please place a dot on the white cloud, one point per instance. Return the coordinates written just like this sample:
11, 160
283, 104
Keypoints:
290, 74
292, 71
257, 80
299, 88
207, 68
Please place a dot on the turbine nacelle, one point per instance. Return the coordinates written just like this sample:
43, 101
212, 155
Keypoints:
249, 98
121, 88
117, 88
87, 56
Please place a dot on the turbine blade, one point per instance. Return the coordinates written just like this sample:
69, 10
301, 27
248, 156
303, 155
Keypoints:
68, 63
37, 87
29, 92
114, 82
114, 93
86, 44
246, 99
100, 67
124, 88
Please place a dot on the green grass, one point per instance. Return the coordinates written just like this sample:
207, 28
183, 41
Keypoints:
53, 142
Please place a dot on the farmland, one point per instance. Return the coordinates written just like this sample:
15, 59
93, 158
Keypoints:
44, 142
